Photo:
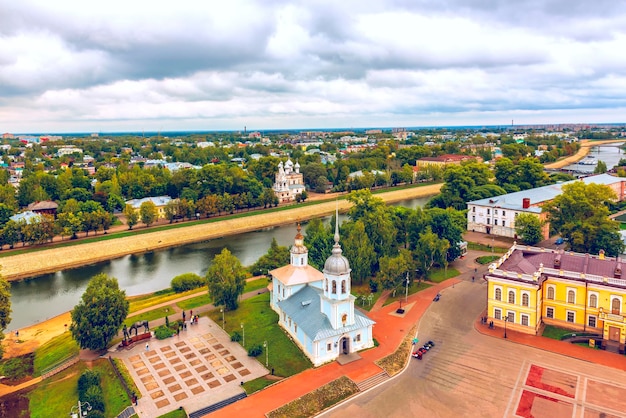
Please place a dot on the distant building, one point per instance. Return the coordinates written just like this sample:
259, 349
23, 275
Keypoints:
69, 151
496, 215
289, 182
444, 160
159, 201
47, 207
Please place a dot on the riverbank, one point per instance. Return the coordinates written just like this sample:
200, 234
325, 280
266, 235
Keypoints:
585, 148
54, 259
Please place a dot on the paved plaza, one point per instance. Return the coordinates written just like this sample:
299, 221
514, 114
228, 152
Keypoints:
195, 369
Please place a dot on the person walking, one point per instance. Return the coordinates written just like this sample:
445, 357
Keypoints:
147, 347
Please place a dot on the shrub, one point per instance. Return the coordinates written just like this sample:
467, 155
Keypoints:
86, 380
162, 332
255, 350
16, 368
235, 336
187, 281
95, 398
96, 414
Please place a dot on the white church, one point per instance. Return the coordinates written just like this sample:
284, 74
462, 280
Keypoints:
289, 182
316, 308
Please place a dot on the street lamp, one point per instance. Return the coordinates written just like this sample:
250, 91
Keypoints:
243, 332
406, 295
267, 353
222, 311
80, 410
506, 319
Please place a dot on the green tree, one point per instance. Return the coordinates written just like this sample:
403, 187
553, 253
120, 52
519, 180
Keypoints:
148, 213
377, 218
319, 241
393, 270
431, 250
132, 217
5, 213
600, 168
580, 214
226, 279
528, 228
276, 256
99, 315
358, 248
70, 224
5, 308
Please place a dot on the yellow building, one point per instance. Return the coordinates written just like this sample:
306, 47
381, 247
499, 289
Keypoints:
160, 202
530, 286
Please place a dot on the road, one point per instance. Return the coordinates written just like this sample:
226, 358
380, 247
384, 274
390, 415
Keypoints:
468, 374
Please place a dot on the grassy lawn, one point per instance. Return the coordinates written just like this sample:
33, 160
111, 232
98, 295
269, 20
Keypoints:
555, 333
54, 397
364, 290
256, 284
138, 303
54, 352
150, 315
194, 302
257, 384
439, 275
400, 294
481, 247
486, 259
261, 324
177, 413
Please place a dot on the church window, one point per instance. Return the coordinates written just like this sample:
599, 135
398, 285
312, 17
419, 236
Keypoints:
295, 328
358, 337
326, 281
334, 288
343, 286
289, 322
344, 319
328, 347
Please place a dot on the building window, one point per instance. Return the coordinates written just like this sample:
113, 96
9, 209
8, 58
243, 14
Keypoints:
550, 293
592, 321
498, 295
511, 296
326, 281
593, 301
488, 221
343, 286
503, 222
473, 219
497, 314
495, 211
550, 312
525, 299
525, 320
495, 222
289, 322
488, 211
328, 347
358, 338
474, 209
334, 287
615, 306
571, 316
510, 317
503, 213
571, 296
516, 214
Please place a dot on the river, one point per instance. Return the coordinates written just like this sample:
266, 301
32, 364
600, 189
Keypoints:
42, 297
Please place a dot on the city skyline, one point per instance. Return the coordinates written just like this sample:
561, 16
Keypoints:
151, 66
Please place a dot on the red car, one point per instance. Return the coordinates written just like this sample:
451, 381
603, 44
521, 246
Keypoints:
419, 352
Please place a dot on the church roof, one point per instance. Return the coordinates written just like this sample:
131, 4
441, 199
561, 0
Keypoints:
292, 275
303, 307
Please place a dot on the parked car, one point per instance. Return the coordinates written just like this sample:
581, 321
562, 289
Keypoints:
559, 241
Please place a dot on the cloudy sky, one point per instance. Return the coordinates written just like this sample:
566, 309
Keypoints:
83, 66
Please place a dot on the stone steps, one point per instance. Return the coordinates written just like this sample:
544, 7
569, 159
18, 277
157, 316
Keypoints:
372, 381
211, 408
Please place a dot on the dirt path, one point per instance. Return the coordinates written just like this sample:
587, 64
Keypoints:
59, 258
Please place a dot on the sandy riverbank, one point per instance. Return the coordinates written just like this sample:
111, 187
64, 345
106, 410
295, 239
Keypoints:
54, 259
585, 147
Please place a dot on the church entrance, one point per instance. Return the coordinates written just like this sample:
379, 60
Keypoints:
345, 345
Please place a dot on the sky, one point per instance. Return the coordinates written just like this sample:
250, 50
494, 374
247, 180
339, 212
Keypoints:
133, 65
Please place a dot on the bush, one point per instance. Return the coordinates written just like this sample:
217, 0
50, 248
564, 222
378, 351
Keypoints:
86, 380
187, 281
95, 398
162, 332
235, 336
16, 368
255, 350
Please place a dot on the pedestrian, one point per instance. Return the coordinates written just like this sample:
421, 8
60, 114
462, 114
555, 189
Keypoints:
472, 279
191, 313
147, 347
184, 316
272, 371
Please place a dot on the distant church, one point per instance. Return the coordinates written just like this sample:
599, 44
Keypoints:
289, 182
316, 308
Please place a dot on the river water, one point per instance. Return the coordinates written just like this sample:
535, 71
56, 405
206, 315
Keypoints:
43, 297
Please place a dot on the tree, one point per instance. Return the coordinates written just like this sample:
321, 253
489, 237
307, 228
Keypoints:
99, 315
131, 216
276, 256
393, 270
226, 279
528, 228
430, 250
5, 308
319, 241
148, 212
600, 168
580, 214
358, 248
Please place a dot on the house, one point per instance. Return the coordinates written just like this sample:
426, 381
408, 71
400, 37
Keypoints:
159, 201
444, 160
529, 287
289, 182
47, 207
316, 308
496, 215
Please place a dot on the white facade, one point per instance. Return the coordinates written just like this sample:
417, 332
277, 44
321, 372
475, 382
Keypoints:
289, 182
317, 309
